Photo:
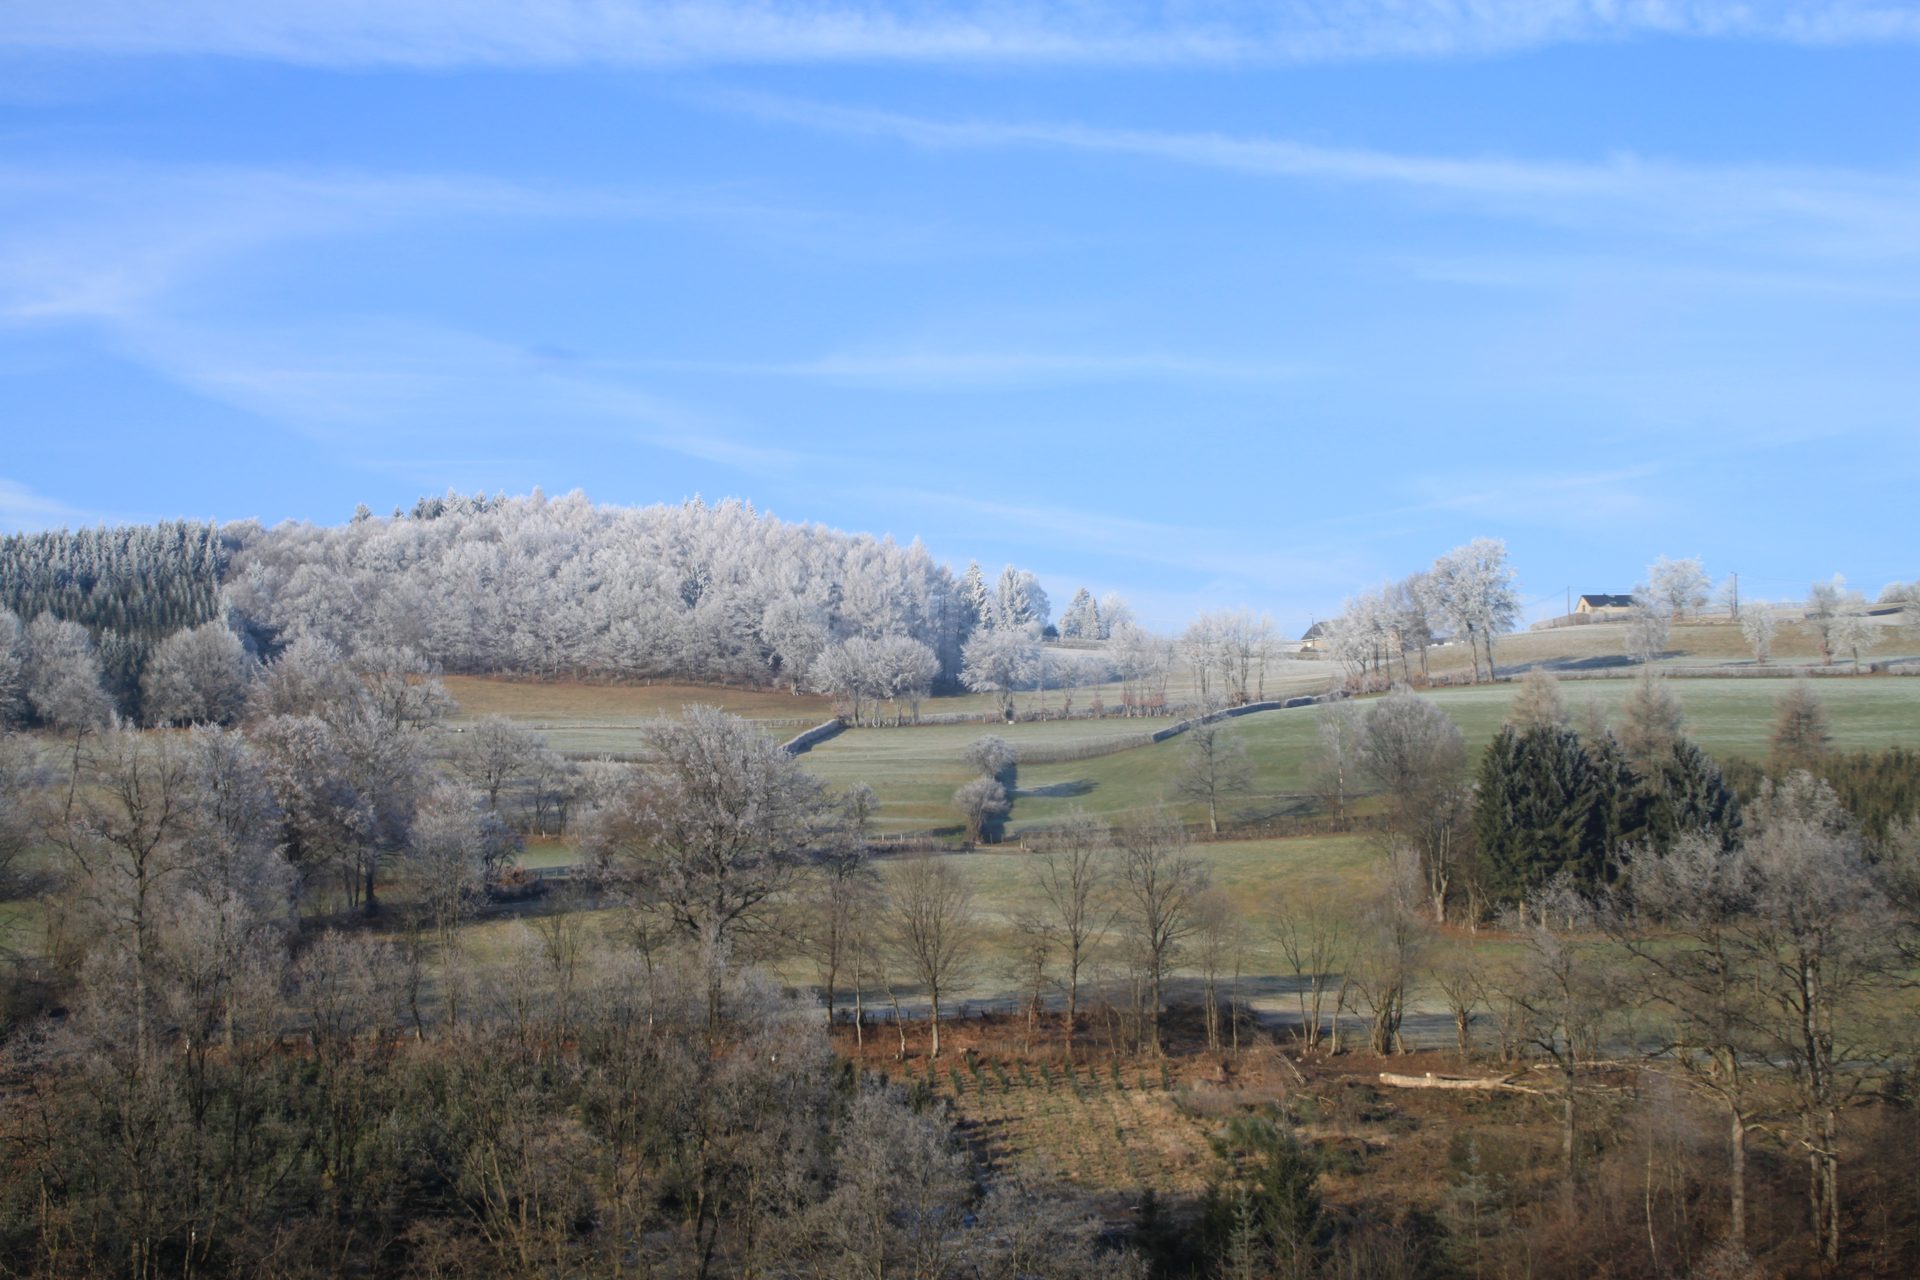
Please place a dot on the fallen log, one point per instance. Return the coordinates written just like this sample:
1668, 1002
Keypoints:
1431, 1081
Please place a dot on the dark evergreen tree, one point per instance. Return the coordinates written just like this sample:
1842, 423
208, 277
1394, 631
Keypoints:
1543, 809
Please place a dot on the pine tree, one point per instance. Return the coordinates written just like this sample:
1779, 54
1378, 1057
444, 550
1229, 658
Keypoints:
1542, 810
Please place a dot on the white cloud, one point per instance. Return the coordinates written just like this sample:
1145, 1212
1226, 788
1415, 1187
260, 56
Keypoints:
23, 510
105, 243
1833, 212
550, 33
949, 368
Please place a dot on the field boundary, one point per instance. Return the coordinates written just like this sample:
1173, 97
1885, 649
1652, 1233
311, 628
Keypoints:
805, 742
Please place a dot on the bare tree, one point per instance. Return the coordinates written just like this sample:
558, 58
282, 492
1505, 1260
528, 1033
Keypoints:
1538, 703
125, 838
1650, 721
841, 888
1563, 989
1801, 728
1216, 943
1215, 766
1317, 942
710, 827
1073, 872
1336, 769
933, 930
1160, 886
491, 753
1387, 954
1418, 756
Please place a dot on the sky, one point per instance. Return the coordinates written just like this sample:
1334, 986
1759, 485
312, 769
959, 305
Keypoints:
1211, 304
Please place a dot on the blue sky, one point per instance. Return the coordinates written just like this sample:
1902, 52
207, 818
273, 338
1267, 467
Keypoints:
1211, 304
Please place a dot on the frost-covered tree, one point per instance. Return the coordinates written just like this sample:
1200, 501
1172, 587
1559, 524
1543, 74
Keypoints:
1680, 587
1001, 662
1144, 662
1081, 620
198, 676
990, 755
1828, 603
307, 679
13, 654
797, 633
61, 676
1020, 601
1115, 613
711, 824
906, 670
980, 803
976, 600
1649, 624
1758, 625
1852, 634
1472, 589
491, 753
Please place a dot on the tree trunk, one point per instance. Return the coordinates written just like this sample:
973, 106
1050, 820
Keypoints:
933, 1022
1737, 1181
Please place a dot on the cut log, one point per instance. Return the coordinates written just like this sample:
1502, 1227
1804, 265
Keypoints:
1431, 1081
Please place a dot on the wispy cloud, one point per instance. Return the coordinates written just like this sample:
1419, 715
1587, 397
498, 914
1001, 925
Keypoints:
955, 368
23, 510
380, 390
511, 33
104, 243
1841, 213
1306, 567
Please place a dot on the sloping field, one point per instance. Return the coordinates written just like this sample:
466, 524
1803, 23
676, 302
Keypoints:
605, 719
1605, 644
1728, 717
915, 769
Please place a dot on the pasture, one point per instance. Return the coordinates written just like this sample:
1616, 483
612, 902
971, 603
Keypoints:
1728, 717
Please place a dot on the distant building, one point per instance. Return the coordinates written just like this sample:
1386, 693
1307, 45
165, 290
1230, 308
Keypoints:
1314, 638
1604, 606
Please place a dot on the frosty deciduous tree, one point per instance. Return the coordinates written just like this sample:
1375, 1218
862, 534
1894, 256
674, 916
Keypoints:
60, 676
1471, 588
1649, 625
13, 644
1679, 586
1000, 662
1829, 605
981, 802
1758, 626
491, 753
199, 676
711, 825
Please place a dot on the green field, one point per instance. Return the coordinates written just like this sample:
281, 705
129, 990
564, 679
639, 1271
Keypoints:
914, 769
1730, 717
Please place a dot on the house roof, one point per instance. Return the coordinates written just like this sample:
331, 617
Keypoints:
1607, 602
1314, 632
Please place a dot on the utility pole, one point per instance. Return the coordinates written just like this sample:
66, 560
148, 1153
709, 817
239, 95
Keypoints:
1736, 595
